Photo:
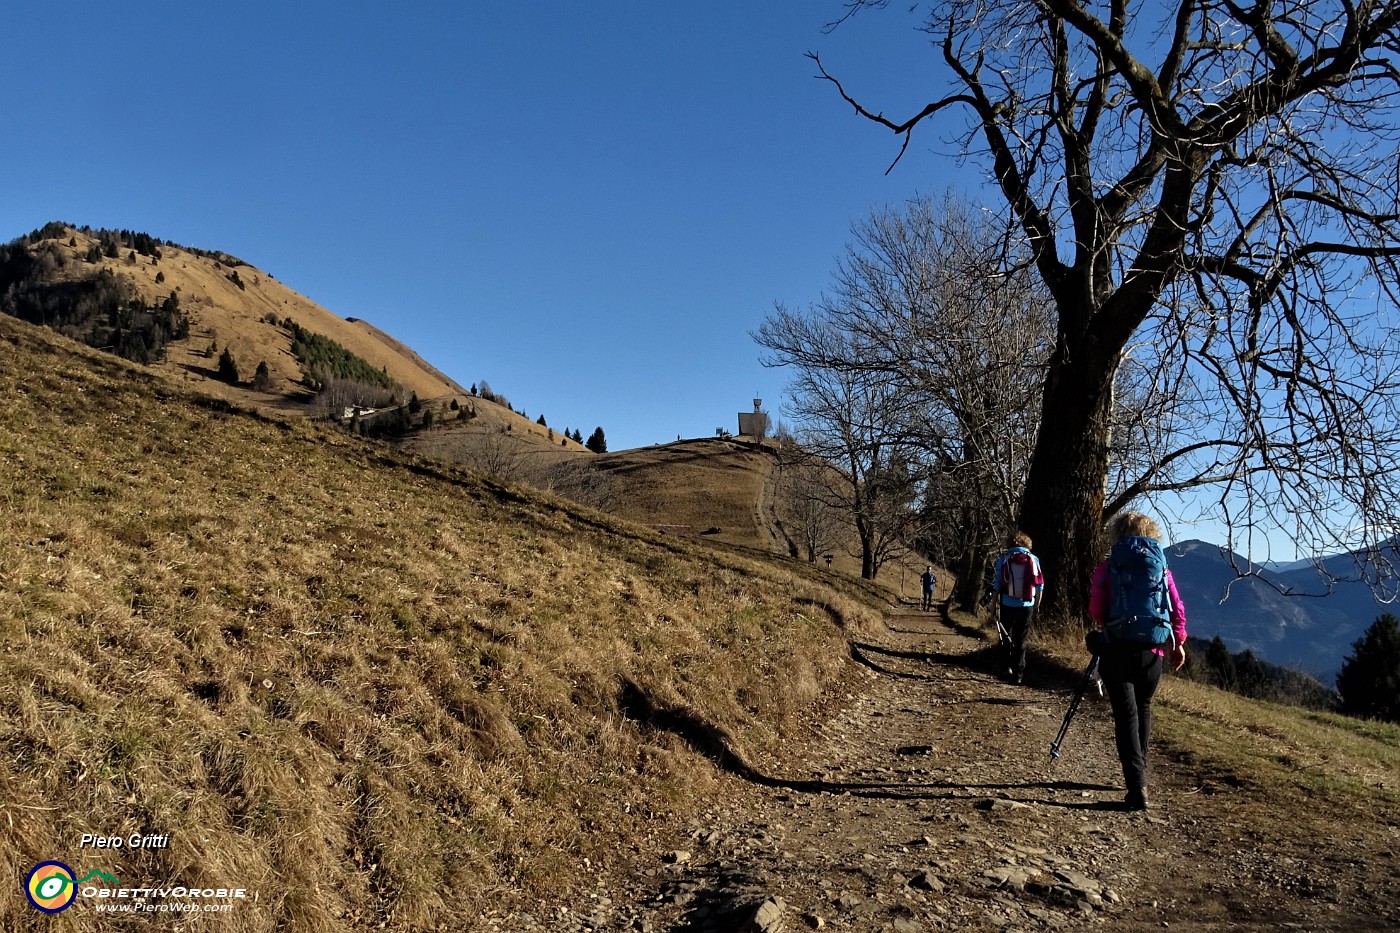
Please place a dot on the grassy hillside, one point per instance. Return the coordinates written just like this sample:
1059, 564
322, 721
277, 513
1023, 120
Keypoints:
732, 492
369, 689
1290, 762
709, 486
231, 305
1293, 757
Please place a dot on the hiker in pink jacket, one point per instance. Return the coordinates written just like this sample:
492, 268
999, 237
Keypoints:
1142, 621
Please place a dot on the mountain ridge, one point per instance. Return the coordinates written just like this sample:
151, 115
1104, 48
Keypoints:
1288, 618
79, 281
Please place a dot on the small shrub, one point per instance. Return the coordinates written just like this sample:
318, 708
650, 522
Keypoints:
262, 378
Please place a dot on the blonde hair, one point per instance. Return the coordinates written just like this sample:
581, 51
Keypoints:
1135, 524
1018, 539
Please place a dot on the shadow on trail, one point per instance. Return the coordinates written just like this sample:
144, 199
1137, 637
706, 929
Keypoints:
943, 616
985, 662
862, 653
715, 744
980, 666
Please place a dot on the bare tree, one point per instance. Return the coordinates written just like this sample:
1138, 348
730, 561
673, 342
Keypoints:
577, 478
809, 494
845, 416
760, 425
1207, 186
338, 394
495, 452
928, 305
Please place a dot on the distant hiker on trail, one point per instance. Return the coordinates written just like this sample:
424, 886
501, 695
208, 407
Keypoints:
1142, 620
1017, 579
929, 581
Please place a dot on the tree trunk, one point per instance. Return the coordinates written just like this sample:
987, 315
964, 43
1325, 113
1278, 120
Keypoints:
867, 550
1062, 507
971, 577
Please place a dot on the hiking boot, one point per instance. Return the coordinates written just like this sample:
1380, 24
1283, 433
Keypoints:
1136, 799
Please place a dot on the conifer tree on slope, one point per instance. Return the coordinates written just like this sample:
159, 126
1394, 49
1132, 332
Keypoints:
1369, 680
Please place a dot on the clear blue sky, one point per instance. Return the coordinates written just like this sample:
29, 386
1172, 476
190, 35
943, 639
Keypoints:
588, 205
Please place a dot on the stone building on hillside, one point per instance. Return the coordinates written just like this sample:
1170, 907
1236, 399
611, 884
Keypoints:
754, 424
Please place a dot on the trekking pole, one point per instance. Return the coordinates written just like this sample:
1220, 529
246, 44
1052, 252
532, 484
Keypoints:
990, 604
1073, 705
1002, 633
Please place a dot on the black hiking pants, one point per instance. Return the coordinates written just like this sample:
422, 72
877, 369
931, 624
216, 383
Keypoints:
928, 600
1017, 621
1130, 678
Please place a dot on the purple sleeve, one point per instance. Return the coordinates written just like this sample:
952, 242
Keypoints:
1178, 611
1098, 594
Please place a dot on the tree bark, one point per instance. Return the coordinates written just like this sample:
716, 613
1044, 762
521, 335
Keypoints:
971, 570
1062, 508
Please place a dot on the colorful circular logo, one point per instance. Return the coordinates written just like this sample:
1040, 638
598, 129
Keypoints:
50, 887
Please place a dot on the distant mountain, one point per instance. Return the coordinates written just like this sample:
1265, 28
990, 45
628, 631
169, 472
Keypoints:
178, 308
1280, 566
110, 289
1291, 618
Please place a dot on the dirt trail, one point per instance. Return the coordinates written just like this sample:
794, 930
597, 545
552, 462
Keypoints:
926, 801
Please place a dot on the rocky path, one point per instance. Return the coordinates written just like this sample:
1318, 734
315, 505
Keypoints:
927, 801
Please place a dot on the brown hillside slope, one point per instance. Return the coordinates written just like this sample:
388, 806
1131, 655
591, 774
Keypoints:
239, 315
371, 691
221, 312
706, 486
479, 433
734, 492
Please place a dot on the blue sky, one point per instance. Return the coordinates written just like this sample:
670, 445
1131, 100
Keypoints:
588, 205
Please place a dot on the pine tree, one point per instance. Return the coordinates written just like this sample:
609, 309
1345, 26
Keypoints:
1253, 679
596, 442
228, 368
1219, 660
1369, 681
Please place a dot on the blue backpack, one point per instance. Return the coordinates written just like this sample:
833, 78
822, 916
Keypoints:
1141, 610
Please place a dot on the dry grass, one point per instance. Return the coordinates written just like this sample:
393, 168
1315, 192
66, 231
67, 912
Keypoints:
729, 488
1283, 764
369, 689
693, 487
1297, 754
234, 317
